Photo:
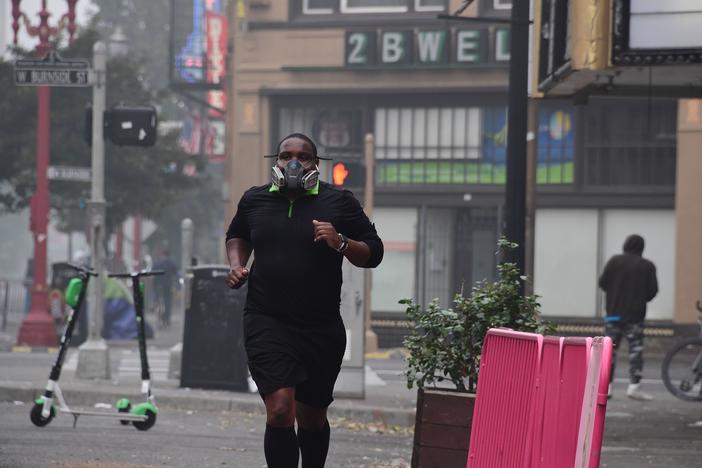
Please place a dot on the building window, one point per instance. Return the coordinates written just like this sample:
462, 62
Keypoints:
498, 8
440, 145
373, 6
555, 145
317, 7
429, 5
331, 7
630, 143
466, 145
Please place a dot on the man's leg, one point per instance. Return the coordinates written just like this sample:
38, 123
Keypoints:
280, 443
614, 330
312, 435
634, 335
167, 306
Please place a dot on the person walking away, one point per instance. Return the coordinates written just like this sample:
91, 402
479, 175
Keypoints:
299, 229
629, 282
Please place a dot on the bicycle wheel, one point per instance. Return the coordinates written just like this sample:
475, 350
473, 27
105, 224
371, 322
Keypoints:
682, 370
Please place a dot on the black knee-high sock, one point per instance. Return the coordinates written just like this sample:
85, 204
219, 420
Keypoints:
280, 447
314, 446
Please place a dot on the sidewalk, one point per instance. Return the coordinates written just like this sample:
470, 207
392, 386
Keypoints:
387, 398
25, 372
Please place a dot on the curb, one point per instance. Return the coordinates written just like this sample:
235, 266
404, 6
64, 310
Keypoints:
208, 401
34, 349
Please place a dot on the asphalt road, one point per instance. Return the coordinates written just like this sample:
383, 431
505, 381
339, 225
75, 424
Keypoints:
665, 432
180, 439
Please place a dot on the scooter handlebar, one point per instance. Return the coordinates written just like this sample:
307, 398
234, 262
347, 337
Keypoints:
137, 274
82, 269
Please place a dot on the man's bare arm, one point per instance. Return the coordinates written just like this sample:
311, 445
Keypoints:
238, 253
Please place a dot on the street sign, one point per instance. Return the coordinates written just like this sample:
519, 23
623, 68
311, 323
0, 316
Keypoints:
79, 174
52, 70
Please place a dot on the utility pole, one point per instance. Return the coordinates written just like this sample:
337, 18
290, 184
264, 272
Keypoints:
515, 189
371, 338
93, 355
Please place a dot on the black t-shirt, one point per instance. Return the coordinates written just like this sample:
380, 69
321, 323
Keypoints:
293, 278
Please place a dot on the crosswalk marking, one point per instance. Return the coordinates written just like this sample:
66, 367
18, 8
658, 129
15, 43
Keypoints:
71, 364
130, 364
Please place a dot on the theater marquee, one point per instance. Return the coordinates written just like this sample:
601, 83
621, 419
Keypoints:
656, 32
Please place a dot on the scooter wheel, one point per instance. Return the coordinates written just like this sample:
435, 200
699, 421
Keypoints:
36, 417
148, 424
126, 409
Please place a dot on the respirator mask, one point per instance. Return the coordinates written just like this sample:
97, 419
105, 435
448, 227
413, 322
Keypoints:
295, 175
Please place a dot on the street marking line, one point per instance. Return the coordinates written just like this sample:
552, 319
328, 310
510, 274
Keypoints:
130, 364
34, 349
372, 378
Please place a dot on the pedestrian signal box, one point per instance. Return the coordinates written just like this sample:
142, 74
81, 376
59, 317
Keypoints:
348, 174
133, 126
339, 173
125, 126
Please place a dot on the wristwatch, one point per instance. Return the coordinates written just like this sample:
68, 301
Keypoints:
344, 243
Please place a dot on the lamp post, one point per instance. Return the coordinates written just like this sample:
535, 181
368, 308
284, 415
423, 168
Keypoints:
37, 328
94, 355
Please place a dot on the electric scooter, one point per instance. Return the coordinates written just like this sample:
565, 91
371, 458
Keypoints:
143, 415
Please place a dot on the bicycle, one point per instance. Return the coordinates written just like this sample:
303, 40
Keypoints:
682, 366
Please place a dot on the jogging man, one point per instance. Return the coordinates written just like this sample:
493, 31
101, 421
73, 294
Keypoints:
299, 229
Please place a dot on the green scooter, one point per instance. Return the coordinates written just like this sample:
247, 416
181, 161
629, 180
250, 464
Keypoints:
143, 415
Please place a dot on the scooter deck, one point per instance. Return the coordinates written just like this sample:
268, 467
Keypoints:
122, 416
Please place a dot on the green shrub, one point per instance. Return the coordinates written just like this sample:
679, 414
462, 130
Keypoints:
445, 344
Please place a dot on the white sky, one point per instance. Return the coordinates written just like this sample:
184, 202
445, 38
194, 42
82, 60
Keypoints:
57, 8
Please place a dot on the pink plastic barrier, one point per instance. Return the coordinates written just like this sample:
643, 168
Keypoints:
502, 417
546, 415
540, 401
594, 404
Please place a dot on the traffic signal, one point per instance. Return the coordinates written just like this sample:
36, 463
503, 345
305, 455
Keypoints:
348, 174
89, 124
125, 126
132, 126
339, 173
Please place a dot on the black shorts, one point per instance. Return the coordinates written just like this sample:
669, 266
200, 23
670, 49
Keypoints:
280, 356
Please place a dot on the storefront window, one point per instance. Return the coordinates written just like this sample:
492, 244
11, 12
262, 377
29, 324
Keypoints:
555, 146
396, 279
440, 145
639, 151
465, 145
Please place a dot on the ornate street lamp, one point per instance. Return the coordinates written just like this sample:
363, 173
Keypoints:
37, 328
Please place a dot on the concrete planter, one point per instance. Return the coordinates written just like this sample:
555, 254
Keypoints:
442, 428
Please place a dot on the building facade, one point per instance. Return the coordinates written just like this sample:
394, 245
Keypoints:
433, 95
650, 51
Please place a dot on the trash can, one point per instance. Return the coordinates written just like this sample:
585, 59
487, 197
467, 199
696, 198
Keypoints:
61, 274
213, 340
